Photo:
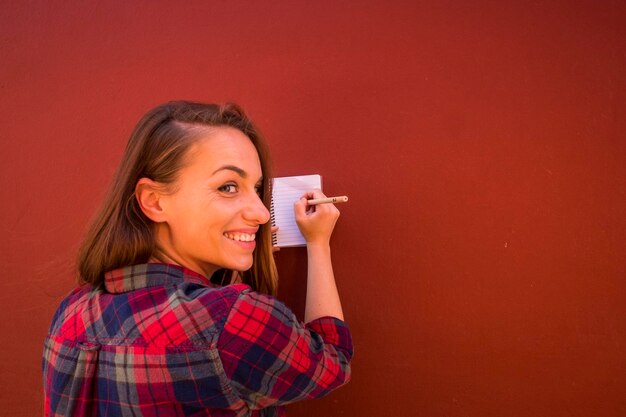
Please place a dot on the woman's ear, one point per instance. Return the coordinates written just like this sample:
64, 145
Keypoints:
148, 194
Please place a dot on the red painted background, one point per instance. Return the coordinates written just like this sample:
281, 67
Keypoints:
482, 255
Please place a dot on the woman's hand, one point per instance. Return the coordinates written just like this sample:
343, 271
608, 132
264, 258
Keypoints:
316, 222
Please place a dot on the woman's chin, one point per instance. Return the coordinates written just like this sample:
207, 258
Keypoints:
240, 266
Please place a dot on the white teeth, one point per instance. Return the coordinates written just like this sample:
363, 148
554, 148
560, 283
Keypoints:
241, 237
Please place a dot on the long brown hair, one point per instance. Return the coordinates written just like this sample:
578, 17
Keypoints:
121, 235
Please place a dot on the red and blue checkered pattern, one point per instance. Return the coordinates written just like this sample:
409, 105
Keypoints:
161, 340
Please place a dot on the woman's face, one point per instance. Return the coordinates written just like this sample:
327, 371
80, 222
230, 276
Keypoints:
215, 211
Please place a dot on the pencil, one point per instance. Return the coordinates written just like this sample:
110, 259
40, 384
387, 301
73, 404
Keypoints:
338, 199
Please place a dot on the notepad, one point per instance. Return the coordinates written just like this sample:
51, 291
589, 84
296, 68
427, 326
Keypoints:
285, 192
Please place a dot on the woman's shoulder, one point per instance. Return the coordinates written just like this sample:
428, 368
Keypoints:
71, 307
197, 312
221, 301
201, 303
208, 295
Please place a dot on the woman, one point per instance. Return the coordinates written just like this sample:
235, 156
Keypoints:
176, 316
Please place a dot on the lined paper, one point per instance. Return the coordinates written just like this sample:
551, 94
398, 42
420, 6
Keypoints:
285, 192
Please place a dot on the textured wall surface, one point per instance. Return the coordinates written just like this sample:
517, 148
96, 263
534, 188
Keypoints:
482, 256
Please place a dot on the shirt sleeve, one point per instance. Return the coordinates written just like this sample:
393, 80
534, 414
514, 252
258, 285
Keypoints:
272, 358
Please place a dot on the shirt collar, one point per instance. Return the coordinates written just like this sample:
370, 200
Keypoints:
149, 275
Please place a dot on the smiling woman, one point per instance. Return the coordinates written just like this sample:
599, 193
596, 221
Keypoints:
177, 315
211, 219
160, 149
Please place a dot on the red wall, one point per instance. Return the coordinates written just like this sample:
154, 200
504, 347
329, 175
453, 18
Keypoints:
481, 257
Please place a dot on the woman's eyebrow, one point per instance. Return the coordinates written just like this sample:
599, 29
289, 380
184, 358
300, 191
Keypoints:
241, 172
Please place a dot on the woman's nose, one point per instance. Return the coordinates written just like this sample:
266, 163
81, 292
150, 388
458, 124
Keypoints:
256, 211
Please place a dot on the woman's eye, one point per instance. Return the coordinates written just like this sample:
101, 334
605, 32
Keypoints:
228, 188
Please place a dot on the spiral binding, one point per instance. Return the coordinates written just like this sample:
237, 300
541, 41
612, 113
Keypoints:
273, 220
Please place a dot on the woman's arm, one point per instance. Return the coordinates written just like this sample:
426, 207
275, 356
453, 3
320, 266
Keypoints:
316, 224
271, 358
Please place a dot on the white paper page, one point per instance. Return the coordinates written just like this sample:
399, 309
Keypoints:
285, 192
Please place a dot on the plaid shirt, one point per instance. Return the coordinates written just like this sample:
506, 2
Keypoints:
161, 340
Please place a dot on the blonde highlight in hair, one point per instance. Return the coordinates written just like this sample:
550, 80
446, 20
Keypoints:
121, 235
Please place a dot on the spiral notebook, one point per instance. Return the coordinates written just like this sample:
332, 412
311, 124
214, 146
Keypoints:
285, 192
